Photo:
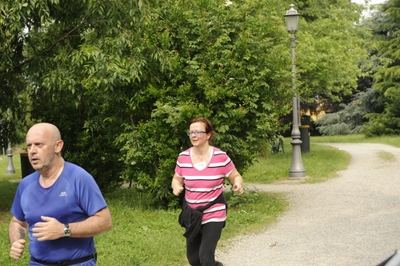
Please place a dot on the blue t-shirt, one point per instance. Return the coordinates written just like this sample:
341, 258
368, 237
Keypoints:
74, 197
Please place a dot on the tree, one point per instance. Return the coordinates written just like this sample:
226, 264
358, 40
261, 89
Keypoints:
385, 46
217, 72
352, 117
16, 19
145, 70
331, 45
122, 78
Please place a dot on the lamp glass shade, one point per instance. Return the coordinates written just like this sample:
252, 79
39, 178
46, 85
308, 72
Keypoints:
292, 19
292, 23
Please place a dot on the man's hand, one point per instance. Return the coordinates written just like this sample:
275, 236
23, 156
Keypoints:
17, 248
49, 229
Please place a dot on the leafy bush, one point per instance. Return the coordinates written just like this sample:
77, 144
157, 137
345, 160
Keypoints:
236, 201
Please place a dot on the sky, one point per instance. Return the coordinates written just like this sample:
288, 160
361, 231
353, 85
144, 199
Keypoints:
371, 2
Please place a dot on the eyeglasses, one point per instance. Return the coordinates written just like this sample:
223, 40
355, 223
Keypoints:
195, 133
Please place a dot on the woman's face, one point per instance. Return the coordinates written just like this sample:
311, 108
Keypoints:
198, 136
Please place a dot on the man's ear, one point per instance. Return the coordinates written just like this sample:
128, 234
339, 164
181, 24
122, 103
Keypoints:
59, 145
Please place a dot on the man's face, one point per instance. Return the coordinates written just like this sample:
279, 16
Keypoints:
41, 148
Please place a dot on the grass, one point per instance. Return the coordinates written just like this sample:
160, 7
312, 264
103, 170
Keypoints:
144, 236
390, 140
387, 156
321, 163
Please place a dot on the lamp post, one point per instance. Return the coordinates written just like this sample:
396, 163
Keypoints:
10, 166
297, 170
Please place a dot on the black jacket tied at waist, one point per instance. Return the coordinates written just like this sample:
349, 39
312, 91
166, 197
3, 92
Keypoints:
191, 218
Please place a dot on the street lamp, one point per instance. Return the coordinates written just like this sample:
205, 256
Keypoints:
10, 166
297, 170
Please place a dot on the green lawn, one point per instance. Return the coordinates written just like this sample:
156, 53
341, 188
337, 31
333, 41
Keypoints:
142, 236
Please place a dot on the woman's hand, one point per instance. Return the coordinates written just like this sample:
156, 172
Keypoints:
177, 185
177, 189
238, 188
237, 181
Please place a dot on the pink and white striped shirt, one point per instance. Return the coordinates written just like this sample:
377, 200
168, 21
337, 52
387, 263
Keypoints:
205, 185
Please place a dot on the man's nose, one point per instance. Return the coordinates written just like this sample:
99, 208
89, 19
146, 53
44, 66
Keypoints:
32, 149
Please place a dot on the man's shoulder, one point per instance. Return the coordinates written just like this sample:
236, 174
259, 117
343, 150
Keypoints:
75, 171
29, 179
68, 166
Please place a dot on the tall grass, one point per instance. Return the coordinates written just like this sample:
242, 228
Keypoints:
145, 236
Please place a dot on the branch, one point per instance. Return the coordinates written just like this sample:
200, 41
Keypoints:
46, 50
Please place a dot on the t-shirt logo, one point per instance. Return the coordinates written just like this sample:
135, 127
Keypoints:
63, 194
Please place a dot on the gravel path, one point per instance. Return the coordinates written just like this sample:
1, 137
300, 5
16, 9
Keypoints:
351, 220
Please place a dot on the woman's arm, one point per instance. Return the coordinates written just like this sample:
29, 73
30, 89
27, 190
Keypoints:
177, 185
237, 181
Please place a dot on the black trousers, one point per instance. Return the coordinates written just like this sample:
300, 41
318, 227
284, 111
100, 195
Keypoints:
201, 251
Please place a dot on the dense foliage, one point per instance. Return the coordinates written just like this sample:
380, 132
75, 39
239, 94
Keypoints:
121, 79
385, 49
351, 118
330, 48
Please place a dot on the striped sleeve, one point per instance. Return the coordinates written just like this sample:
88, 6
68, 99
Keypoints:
183, 162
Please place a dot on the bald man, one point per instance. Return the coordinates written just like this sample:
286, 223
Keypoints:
60, 205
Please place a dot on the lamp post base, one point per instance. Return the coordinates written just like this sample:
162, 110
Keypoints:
10, 167
297, 170
297, 175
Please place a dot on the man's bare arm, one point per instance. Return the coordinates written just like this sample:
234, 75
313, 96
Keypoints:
17, 230
50, 228
92, 226
16, 234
